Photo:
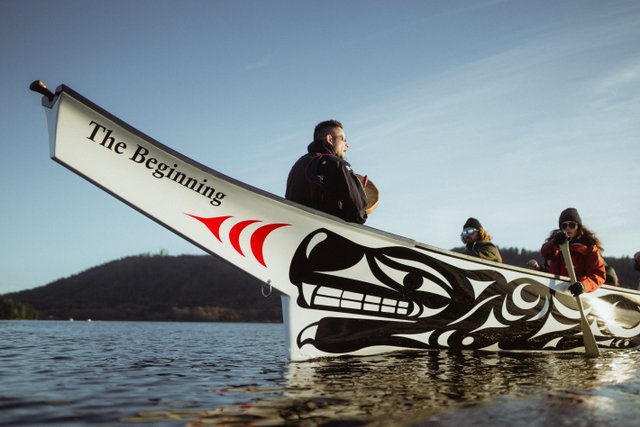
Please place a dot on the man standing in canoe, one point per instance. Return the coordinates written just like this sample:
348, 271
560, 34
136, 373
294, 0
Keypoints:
322, 179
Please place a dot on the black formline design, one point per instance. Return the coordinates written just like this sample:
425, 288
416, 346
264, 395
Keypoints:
410, 299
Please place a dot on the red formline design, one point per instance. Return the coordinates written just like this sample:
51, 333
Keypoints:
234, 233
258, 238
256, 241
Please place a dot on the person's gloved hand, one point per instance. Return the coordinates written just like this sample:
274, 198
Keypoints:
576, 289
559, 237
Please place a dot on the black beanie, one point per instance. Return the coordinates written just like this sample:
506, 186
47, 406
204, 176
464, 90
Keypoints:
569, 214
472, 222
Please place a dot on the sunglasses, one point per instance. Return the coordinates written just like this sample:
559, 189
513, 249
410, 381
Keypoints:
468, 231
569, 225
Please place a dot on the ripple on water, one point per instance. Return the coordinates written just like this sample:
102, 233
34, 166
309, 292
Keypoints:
173, 374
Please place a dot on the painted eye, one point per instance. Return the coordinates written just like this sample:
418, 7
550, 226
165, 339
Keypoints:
413, 280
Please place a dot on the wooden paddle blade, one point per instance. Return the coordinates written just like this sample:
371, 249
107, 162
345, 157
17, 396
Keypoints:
590, 345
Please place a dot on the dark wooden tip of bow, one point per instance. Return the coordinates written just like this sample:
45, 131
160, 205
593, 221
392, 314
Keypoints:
41, 88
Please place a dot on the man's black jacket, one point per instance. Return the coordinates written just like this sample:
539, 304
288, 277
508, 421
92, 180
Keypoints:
323, 181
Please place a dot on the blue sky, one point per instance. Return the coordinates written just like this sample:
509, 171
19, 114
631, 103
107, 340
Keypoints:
509, 111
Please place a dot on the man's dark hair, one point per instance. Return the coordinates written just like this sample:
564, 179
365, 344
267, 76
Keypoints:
325, 128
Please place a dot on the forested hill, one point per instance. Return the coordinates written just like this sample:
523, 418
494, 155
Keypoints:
187, 288
184, 288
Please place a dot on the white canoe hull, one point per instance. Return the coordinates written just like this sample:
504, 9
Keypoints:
346, 288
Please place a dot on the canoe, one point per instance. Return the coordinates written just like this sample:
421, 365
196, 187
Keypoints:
346, 289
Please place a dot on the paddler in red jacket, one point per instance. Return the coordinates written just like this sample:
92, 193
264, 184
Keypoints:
585, 250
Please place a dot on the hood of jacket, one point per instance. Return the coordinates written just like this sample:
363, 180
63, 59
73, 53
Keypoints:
321, 146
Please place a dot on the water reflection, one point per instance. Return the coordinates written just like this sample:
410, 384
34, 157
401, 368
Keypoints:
404, 387
172, 374
436, 388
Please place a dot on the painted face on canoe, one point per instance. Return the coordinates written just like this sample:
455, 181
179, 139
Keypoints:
354, 296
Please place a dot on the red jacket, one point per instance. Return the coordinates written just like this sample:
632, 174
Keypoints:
587, 262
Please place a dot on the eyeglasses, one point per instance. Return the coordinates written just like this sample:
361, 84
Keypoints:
569, 225
468, 231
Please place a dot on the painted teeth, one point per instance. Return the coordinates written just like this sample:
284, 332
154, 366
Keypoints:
323, 296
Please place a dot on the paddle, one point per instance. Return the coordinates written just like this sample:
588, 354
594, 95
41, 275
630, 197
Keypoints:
590, 345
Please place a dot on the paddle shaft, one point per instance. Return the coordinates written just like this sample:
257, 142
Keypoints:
590, 345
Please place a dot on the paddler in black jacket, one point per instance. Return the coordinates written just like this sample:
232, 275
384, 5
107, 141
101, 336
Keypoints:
323, 180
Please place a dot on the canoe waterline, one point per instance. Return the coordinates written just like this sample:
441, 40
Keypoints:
346, 288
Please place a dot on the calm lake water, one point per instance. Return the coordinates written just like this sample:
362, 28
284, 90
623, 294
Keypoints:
192, 374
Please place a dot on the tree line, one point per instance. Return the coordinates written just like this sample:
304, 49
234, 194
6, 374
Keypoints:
155, 288
10, 309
